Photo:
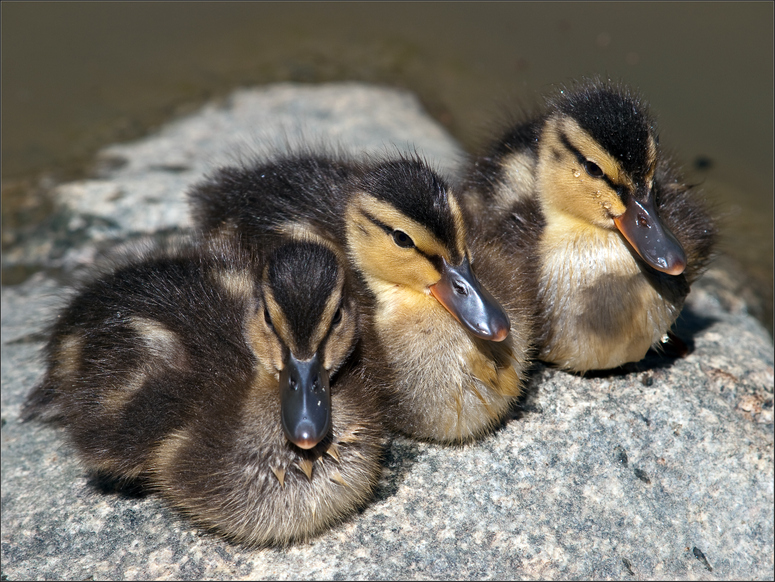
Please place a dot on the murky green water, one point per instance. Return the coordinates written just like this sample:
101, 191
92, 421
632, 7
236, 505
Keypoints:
77, 76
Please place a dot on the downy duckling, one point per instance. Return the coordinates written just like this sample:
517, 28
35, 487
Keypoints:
435, 335
584, 192
224, 379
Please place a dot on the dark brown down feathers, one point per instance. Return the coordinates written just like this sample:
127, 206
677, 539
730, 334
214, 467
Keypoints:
545, 194
157, 372
398, 223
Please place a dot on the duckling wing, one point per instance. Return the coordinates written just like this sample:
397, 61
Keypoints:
127, 356
260, 200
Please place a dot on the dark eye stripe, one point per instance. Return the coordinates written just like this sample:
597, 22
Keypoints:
378, 222
432, 258
583, 162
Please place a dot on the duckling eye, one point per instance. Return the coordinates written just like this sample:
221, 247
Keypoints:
337, 317
593, 169
268, 319
402, 239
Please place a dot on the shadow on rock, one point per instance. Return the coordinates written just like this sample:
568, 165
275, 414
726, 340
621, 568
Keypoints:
399, 458
124, 488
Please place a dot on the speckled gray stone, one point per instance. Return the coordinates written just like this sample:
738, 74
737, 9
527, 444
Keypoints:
661, 471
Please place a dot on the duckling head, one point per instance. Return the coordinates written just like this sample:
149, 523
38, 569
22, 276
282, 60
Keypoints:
405, 233
597, 160
304, 328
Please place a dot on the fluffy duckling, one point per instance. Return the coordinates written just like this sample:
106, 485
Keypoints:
435, 335
224, 379
585, 193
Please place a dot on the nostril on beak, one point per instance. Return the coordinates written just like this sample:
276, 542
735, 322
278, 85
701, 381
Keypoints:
461, 289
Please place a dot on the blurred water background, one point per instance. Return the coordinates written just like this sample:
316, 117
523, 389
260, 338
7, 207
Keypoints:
77, 76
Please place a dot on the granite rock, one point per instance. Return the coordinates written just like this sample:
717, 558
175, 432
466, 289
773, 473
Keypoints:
661, 470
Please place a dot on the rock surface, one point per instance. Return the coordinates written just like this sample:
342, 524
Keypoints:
664, 470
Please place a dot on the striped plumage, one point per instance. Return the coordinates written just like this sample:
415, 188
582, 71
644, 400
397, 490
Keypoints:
170, 372
437, 338
583, 192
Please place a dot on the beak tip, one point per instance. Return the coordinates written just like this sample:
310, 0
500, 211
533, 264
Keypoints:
676, 269
305, 444
495, 331
672, 264
500, 335
500, 326
305, 436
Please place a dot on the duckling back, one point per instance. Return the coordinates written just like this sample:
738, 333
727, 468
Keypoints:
270, 198
127, 356
170, 370
584, 192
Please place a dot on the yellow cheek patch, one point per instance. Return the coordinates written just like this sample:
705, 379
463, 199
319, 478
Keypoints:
565, 183
376, 254
423, 239
617, 208
264, 343
279, 323
340, 341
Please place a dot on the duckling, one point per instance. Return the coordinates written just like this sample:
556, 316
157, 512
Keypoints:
584, 191
224, 379
438, 338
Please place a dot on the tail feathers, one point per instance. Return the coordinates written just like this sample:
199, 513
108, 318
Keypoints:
42, 404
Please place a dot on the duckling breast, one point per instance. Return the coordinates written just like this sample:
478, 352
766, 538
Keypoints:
445, 384
237, 473
600, 307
